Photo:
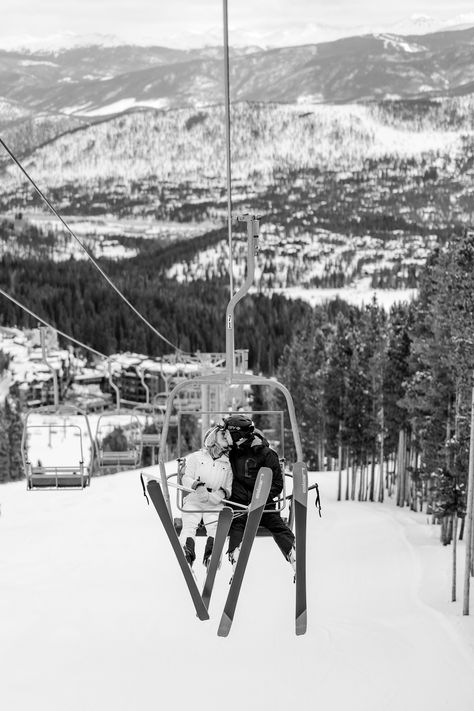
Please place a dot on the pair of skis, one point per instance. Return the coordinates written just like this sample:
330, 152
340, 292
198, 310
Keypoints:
201, 601
255, 511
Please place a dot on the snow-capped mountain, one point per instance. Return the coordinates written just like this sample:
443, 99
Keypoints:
100, 80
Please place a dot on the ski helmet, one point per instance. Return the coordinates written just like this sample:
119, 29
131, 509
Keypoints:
240, 426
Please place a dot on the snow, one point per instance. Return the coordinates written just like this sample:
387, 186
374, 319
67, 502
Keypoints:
36, 62
120, 106
96, 614
359, 295
400, 43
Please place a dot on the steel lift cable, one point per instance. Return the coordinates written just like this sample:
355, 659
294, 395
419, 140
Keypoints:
81, 244
45, 323
228, 144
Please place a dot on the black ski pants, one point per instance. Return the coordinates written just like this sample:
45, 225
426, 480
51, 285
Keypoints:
272, 521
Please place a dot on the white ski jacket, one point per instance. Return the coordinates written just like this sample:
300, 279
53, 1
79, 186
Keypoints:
215, 474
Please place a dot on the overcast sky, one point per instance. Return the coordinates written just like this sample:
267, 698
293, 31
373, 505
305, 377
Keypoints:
193, 22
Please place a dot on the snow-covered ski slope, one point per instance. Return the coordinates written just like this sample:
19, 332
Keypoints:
95, 615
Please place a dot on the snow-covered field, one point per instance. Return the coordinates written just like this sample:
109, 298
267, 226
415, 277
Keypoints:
360, 295
95, 615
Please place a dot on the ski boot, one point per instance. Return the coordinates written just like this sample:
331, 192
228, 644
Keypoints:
189, 551
208, 551
291, 558
233, 558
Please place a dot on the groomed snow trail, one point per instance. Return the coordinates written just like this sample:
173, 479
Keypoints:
95, 615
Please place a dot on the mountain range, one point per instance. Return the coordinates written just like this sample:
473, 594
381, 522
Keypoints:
98, 81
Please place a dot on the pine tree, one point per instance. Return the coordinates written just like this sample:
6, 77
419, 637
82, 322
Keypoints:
15, 431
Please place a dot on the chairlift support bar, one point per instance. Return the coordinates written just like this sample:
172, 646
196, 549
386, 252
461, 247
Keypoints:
228, 142
54, 373
253, 226
141, 375
114, 387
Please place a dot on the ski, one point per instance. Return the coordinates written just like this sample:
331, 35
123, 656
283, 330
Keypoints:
300, 504
223, 525
156, 495
257, 505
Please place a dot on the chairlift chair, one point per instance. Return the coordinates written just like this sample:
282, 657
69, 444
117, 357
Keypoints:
114, 426
68, 470
226, 379
118, 437
72, 425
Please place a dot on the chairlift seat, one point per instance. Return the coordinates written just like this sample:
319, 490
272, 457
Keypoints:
122, 458
57, 477
151, 439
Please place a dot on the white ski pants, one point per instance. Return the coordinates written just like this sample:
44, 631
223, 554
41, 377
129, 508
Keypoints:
193, 512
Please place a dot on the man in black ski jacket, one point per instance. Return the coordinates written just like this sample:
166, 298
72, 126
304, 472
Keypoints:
249, 453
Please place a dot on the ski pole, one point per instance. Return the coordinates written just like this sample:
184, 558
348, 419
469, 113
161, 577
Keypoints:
310, 488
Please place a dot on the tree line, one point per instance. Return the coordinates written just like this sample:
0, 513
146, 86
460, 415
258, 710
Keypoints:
73, 297
391, 392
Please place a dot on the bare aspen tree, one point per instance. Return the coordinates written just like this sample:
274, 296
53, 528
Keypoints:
470, 503
339, 462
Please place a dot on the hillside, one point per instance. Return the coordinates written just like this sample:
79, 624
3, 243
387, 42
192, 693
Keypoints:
187, 146
346, 193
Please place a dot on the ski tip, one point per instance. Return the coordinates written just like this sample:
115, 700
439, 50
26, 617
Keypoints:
301, 623
203, 615
224, 626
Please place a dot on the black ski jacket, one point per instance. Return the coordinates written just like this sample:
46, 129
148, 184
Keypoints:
246, 461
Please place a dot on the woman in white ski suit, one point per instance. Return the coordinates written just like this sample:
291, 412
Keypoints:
209, 474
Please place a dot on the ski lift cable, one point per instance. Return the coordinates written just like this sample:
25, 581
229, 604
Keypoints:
228, 143
84, 248
45, 323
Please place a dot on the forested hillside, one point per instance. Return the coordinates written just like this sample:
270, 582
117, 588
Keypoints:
346, 193
187, 145
73, 297
396, 388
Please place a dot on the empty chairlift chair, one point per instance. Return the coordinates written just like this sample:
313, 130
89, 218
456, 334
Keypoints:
53, 448
57, 446
118, 437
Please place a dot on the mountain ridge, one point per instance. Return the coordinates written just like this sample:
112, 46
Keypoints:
96, 80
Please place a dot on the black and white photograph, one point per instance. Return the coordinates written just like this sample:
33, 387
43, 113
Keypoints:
236, 355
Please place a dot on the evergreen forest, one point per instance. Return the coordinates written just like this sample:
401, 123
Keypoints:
393, 388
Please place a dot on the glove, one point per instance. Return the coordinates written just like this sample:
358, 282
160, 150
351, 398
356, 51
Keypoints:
202, 494
215, 497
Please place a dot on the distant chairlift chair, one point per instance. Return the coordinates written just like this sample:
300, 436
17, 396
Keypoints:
75, 473
118, 436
